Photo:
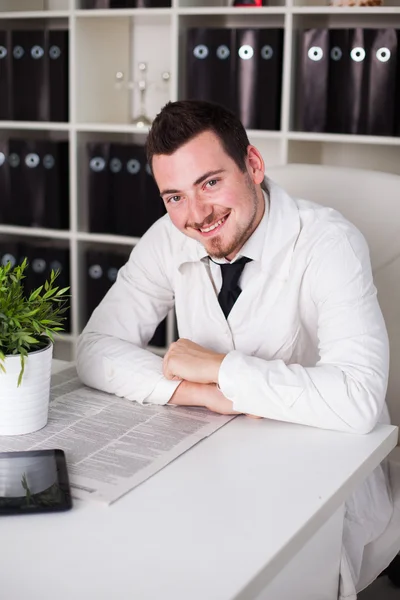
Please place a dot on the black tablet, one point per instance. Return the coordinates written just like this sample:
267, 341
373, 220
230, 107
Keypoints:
33, 481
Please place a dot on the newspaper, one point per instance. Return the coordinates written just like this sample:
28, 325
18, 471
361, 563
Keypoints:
112, 444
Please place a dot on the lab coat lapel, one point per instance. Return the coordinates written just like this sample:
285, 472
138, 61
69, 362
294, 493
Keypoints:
264, 306
199, 314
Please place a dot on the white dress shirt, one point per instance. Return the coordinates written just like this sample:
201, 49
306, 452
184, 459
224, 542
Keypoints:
305, 342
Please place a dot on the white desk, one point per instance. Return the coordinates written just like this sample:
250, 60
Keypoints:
240, 512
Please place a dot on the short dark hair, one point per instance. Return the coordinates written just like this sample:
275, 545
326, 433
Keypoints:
179, 122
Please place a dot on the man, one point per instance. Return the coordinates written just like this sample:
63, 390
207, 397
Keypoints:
276, 308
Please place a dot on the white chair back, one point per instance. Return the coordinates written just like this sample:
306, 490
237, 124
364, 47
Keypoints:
371, 201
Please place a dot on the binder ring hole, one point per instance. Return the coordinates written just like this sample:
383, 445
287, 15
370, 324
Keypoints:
223, 52
38, 265
32, 160
48, 161
383, 54
2, 158
357, 54
18, 52
14, 160
315, 53
201, 51
112, 274
97, 164
95, 272
3, 52
37, 52
246, 52
8, 258
336, 53
55, 265
54, 52
115, 165
133, 166
267, 52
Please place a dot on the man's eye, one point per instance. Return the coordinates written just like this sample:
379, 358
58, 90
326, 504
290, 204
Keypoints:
212, 182
174, 199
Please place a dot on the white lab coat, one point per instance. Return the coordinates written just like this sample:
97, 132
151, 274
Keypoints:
305, 341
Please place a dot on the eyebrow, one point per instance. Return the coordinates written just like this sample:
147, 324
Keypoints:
197, 182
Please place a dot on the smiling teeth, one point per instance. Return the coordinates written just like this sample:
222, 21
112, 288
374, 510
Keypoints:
207, 229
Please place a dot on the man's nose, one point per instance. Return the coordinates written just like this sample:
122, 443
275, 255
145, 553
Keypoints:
199, 211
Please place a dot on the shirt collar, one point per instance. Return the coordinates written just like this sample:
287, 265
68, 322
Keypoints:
271, 243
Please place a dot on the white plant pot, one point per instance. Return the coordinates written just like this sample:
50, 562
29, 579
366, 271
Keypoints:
25, 409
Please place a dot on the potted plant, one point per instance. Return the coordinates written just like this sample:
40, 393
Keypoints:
28, 323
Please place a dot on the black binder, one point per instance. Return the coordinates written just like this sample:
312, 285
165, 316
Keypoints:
55, 167
259, 77
397, 96
39, 183
211, 66
127, 188
57, 48
10, 252
42, 259
339, 99
99, 188
5, 197
149, 3
135, 203
101, 272
26, 183
5, 76
159, 339
381, 81
127, 4
152, 206
313, 84
357, 84
30, 83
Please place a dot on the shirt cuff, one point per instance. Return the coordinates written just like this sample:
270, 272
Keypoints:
226, 383
163, 392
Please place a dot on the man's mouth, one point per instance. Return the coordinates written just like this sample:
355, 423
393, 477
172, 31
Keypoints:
215, 227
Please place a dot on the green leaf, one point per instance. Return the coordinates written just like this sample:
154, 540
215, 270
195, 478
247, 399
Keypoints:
27, 322
35, 294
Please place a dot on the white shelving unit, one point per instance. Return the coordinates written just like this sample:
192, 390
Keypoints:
103, 42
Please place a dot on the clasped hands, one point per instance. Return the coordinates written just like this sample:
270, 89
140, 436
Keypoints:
198, 368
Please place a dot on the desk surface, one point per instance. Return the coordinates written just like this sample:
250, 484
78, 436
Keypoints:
218, 523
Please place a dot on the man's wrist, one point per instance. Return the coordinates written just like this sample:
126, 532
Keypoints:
188, 394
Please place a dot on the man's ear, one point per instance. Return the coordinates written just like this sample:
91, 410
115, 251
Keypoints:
255, 165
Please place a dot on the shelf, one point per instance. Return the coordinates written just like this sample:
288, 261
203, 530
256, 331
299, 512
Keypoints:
264, 134
35, 125
123, 12
110, 128
341, 138
107, 238
229, 11
36, 14
65, 337
59, 234
343, 10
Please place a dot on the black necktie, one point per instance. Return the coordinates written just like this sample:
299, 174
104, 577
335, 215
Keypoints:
230, 291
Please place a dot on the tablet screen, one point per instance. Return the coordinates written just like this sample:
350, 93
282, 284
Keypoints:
33, 481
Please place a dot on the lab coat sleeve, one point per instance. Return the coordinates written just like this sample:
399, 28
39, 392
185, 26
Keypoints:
345, 390
111, 353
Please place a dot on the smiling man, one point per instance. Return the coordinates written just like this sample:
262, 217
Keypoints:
276, 308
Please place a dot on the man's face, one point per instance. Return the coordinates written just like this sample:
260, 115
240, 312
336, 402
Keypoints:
206, 195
